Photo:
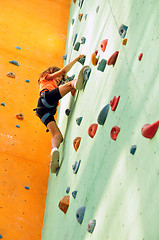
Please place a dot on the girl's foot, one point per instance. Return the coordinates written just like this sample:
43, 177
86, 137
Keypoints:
78, 83
54, 159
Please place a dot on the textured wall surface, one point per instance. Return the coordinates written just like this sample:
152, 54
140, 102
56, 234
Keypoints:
25, 151
119, 190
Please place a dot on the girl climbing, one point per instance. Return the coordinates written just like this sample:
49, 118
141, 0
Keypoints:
51, 91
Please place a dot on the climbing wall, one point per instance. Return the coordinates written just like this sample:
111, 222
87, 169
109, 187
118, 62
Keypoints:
32, 39
111, 179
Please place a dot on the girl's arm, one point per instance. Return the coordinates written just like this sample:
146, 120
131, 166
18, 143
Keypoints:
64, 70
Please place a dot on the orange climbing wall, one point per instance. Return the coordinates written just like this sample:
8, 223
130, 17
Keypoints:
39, 27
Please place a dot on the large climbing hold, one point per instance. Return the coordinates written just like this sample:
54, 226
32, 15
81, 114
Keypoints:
102, 65
123, 30
92, 129
64, 203
91, 225
113, 58
114, 132
76, 143
94, 58
114, 103
103, 44
103, 115
149, 130
80, 214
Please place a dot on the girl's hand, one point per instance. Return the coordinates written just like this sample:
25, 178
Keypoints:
80, 56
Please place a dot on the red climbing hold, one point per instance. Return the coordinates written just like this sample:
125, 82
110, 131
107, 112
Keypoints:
73, 92
76, 143
113, 58
149, 130
92, 129
20, 116
140, 56
64, 203
114, 132
114, 102
103, 44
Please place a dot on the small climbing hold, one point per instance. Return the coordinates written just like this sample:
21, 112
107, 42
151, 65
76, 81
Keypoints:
77, 46
73, 20
114, 132
11, 74
78, 121
75, 38
67, 190
83, 40
92, 129
75, 166
123, 30
71, 78
76, 143
140, 56
3, 104
133, 149
74, 194
97, 9
64, 57
91, 225
73, 92
149, 130
94, 59
103, 44
103, 115
113, 58
26, 187
14, 62
19, 48
27, 80
85, 16
102, 65
74, 1
81, 3
64, 203
82, 60
18, 126
80, 17
80, 214
20, 116
67, 112
114, 103
124, 42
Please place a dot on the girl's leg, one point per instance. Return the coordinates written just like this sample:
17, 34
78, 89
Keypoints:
66, 88
57, 137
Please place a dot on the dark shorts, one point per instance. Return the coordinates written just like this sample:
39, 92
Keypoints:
46, 110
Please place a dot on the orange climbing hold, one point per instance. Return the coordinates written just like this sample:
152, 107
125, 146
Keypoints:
92, 129
64, 204
103, 44
149, 130
94, 59
76, 143
124, 42
20, 116
113, 58
74, 1
114, 103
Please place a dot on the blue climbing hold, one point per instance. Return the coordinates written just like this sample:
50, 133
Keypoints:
18, 48
18, 126
75, 38
103, 115
74, 194
71, 78
27, 80
75, 166
14, 62
81, 3
26, 187
91, 225
78, 120
83, 40
82, 60
123, 30
65, 57
133, 149
80, 214
102, 65
67, 190
73, 20
67, 112
3, 104
1, 236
